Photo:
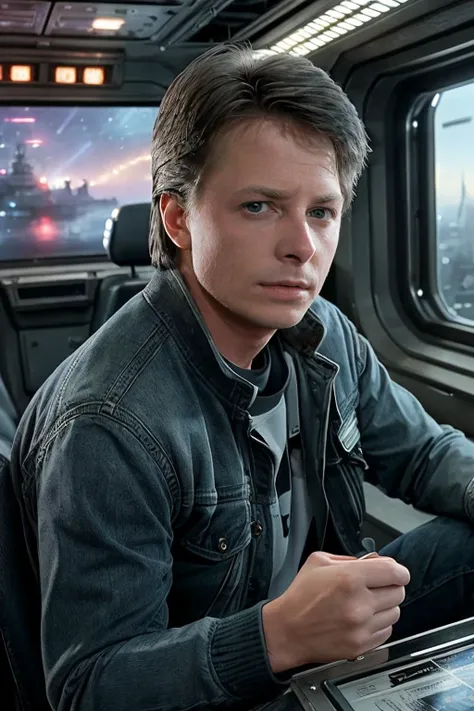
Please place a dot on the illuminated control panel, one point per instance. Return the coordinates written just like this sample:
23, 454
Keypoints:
104, 72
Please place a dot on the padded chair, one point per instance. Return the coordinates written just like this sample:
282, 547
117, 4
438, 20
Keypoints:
21, 669
8, 421
126, 240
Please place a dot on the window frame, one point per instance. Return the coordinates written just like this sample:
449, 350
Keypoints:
427, 309
384, 87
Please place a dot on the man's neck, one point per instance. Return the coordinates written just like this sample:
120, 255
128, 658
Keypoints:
237, 340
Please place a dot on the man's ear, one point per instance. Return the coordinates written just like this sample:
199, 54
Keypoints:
173, 216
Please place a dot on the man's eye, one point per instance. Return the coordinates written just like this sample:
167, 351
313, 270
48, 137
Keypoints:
321, 213
255, 208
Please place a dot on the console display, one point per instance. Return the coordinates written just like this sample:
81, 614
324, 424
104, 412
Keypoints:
437, 683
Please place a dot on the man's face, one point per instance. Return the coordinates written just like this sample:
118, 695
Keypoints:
265, 227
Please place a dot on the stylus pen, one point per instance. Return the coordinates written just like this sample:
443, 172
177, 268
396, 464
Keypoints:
368, 555
368, 545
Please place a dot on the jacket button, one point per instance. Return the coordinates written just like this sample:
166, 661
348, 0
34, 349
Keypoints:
257, 528
222, 545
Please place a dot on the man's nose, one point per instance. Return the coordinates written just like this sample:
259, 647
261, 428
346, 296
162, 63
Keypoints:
298, 241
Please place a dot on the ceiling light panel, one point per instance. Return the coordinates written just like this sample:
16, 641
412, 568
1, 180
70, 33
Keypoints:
108, 23
132, 22
340, 20
26, 18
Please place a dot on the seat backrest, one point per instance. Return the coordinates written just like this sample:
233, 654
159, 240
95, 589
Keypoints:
8, 420
21, 668
126, 240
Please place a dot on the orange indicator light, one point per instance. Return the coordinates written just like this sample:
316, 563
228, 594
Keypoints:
65, 75
94, 75
20, 72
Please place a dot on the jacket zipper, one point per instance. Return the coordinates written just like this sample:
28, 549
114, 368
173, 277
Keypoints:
324, 442
248, 465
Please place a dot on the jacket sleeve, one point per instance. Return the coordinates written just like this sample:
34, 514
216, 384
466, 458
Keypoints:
410, 455
105, 513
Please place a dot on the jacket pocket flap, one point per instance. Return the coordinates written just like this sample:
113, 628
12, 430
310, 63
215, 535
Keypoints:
219, 531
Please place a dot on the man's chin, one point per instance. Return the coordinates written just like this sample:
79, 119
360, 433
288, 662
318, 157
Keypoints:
282, 320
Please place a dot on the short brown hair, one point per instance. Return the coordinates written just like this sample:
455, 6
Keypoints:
231, 83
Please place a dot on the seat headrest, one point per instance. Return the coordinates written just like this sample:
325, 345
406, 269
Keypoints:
126, 235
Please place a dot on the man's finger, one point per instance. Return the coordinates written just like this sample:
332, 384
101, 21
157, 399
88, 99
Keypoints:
322, 558
388, 598
384, 619
382, 572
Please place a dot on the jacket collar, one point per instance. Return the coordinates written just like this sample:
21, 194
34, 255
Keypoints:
169, 297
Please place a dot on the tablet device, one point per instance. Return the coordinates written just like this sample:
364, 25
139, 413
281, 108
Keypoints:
438, 683
433, 671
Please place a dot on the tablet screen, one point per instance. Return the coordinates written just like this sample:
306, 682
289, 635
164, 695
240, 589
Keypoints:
437, 683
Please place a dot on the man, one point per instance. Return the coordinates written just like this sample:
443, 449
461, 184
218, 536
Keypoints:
191, 478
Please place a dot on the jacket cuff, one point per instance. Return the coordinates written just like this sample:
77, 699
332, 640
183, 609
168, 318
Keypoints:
240, 658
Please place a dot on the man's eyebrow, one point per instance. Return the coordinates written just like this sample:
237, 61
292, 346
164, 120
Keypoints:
284, 195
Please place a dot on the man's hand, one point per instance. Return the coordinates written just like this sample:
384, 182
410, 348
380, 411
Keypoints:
337, 607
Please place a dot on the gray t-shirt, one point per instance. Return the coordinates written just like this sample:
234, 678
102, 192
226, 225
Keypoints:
275, 425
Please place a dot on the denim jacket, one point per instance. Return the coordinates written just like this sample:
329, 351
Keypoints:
140, 496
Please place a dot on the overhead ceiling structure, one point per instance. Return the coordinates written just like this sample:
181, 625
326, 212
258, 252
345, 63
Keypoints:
174, 31
134, 21
168, 22
345, 17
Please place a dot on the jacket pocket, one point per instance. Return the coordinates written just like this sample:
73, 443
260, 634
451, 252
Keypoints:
208, 557
219, 524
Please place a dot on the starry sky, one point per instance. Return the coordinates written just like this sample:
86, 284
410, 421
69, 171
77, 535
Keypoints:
108, 146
